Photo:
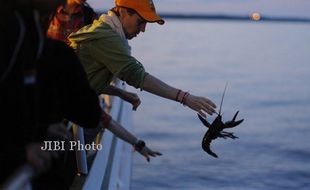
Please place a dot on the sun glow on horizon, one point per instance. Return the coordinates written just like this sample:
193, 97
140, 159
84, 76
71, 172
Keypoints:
256, 16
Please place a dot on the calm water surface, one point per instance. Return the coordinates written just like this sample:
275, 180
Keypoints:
267, 66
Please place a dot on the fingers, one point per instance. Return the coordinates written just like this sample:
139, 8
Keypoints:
209, 106
158, 154
207, 109
136, 104
147, 157
146, 152
210, 103
133, 99
201, 105
154, 153
200, 112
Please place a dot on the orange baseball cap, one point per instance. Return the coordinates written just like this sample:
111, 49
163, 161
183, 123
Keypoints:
145, 8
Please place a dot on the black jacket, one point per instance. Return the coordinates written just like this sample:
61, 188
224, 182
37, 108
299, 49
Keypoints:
60, 90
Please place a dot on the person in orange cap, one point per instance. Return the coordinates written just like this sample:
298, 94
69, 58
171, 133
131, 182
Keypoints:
104, 52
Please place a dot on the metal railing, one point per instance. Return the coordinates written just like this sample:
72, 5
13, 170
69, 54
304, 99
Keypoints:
81, 159
111, 168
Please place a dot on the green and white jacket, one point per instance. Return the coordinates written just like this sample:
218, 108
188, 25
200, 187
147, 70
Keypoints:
104, 51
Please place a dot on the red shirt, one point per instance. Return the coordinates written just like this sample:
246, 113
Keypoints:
63, 23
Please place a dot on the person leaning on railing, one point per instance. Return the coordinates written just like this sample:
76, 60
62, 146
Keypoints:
104, 52
70, 18
119, 131
41, 83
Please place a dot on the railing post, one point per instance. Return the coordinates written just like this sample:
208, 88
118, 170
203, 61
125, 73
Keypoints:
81, 158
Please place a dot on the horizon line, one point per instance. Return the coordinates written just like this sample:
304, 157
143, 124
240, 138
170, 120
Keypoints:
240, 17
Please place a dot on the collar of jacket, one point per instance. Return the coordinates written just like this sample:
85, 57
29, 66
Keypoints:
113, 21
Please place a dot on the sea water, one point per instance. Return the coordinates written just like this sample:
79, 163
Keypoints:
267, 67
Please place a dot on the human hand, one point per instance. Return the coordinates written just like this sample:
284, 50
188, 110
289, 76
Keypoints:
200, 104
146, 152
132, 98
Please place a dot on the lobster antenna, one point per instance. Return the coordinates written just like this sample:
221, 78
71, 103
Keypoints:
223, 98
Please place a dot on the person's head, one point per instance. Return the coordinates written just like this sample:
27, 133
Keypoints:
134, 14
46, 9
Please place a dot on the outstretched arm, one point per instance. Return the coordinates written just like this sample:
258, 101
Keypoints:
125, 95
196, 103
125, 135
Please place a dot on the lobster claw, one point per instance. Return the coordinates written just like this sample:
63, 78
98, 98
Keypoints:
204, 121
233, 123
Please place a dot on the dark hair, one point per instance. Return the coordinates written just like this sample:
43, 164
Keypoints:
88, 13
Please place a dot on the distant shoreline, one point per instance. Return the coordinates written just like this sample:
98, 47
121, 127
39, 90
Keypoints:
233, 17
180, 16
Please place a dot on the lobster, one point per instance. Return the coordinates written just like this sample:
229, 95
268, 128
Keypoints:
215, 129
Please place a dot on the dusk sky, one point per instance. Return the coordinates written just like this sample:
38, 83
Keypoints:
285, 8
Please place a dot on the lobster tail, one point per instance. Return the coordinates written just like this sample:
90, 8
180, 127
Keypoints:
205, 144
209, 151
